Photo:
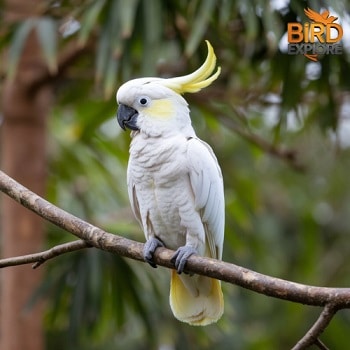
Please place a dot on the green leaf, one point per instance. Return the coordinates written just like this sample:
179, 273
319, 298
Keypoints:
111, 77
110, 49
199, 26
273, 27
152, 11
127, 15
225, 12
47, 35
152, 35
102, 54
89, 20
251, 20
17, 45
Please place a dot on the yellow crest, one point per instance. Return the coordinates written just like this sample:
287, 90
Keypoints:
197, 80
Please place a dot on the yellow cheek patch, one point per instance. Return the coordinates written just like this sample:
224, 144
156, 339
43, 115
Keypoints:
162, 109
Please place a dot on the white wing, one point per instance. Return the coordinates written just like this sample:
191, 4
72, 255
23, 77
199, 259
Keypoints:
207, 185
133, 198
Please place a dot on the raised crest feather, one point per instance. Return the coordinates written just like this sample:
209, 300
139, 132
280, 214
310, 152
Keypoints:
197, 80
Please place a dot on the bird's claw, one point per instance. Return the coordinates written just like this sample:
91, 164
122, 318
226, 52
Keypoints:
181, 256
149, 248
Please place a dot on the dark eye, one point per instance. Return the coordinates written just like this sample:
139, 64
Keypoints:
144, 101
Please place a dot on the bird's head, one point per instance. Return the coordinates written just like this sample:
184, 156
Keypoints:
154, 106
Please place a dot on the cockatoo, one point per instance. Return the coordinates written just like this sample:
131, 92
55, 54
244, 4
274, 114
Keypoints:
175, 185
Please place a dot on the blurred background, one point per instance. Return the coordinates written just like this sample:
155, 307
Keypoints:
279, 125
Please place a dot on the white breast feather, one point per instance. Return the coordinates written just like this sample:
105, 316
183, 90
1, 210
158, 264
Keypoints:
181, 166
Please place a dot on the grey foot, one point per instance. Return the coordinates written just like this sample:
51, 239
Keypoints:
181, 256
150, 247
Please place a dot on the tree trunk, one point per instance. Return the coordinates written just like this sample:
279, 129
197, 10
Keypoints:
23, 157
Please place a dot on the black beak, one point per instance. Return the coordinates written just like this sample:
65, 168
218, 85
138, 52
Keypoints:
127, 117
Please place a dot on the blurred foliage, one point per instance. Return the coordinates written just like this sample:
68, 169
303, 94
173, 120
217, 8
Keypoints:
279, 125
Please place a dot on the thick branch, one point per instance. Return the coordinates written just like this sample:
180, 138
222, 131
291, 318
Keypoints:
94, 236
311, 337
40, 258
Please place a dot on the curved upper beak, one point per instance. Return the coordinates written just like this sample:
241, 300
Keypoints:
127, 117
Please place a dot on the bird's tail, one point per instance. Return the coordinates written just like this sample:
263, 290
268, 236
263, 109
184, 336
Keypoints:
197, 300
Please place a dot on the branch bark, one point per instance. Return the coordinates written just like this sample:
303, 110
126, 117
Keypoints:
312, 335
332, 299
40, 258
231, 273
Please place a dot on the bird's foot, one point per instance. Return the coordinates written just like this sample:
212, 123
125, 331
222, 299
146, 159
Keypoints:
181, 256
150, 247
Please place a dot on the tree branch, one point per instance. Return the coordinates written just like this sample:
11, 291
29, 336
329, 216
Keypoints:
94, 236
40, 258
332, 299
287, 155
320, 345
312, 335
70, 54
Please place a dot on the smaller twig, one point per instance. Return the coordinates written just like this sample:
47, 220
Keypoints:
312, 335
320, 345
224, 271
40, 258
288, 155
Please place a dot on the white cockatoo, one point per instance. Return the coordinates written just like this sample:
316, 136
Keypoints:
175, 185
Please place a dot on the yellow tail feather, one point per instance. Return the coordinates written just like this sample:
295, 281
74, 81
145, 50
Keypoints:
197, 300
